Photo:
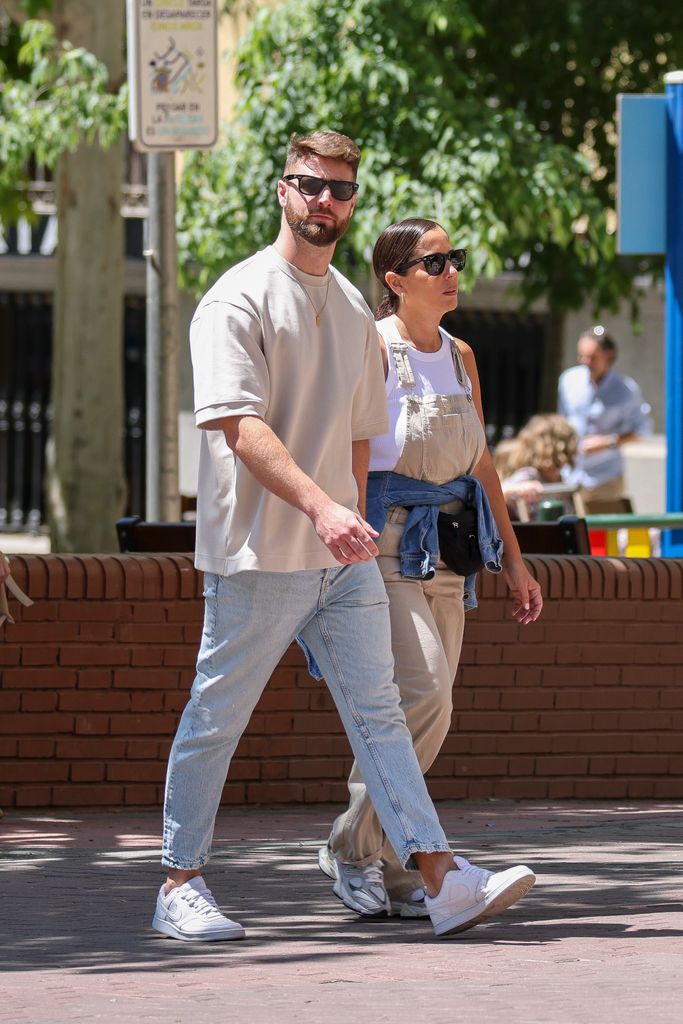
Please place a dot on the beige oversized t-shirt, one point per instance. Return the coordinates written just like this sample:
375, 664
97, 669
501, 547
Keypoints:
256, 350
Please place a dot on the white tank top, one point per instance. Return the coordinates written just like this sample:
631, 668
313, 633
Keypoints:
434, 374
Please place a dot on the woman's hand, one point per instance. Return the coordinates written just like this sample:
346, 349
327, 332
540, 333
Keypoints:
525, 590
4, 568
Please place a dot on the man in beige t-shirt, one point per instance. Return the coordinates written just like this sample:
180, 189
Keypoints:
288, 388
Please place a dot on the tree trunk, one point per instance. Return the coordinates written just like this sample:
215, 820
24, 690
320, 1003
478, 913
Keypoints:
86, 486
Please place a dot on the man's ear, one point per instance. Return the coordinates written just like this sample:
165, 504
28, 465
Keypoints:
282, 193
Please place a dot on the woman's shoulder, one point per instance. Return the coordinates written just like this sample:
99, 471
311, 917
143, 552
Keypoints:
462, 346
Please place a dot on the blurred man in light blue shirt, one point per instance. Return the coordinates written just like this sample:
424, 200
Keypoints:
606, 410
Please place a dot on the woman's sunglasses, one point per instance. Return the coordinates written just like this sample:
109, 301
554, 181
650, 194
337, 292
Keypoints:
435, 262
309, 185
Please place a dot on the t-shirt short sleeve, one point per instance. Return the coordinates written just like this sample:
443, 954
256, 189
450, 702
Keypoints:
369, 416
230, 372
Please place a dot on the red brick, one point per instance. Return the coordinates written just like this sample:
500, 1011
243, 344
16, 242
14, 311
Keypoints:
144, 678
565, 721
8, 747
36, 748
91, 725
600, 789
11, 701
39, 700
96, 631
150, 700
523, 654
91, 749
93, 611
242, 770
519, 789
141, 724
150, 656
40, 678
135, 771
317, 768
95, 678
480, 720
33, 796
83, 795
142, 796
234, 793
35, 771
185, 656
26, 724
86, 772
41, 632
9, 655
561, 765
668, 789
155, 633
94, 700
153, 612
274, 792
89, 655
186, 611
642, 764
142, 749
560, 789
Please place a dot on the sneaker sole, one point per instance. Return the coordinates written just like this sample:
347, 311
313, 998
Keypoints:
408, 910
169, 929
361, 911
497, 902
326, 863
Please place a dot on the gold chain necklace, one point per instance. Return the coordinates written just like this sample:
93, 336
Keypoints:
318, 312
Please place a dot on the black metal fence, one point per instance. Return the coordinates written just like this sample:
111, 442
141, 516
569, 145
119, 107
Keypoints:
25, 379
510, 352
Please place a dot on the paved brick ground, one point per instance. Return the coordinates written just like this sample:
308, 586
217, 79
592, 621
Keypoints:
600, 939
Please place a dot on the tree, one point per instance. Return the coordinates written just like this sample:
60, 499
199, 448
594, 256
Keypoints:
499, 121
62, 100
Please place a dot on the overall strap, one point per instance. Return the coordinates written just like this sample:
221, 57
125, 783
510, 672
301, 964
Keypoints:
460, 371
404, 370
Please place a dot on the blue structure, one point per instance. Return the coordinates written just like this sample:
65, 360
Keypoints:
672, 542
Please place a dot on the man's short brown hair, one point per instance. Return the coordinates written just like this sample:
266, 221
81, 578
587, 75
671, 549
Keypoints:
325, 143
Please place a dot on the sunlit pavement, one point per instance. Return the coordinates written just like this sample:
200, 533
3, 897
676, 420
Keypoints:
600, 938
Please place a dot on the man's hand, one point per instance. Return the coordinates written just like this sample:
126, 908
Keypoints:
526, 592
345, 533
598, 442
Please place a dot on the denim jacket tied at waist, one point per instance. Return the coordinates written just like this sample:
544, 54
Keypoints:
419, 548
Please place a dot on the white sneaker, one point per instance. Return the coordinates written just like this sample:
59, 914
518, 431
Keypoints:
471, 895
412, 905
189, 912
359, 889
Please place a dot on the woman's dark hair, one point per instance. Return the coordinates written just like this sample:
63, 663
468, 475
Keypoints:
395, 245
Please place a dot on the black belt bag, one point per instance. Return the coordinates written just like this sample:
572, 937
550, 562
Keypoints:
459, 541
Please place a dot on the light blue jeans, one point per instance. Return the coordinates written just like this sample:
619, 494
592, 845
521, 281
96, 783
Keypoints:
250, 620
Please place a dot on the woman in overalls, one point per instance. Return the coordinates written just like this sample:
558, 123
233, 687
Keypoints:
436, 435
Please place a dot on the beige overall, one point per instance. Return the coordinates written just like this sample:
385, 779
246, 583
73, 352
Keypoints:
444, 440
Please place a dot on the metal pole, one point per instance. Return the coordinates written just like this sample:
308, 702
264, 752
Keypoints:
672, 542
162, 498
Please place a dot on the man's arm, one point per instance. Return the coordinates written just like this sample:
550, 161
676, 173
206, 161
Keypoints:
342, 531
360, 460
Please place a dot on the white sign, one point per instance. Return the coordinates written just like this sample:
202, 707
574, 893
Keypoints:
173, 74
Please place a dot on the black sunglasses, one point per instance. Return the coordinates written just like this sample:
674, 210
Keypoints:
309, 185
435, 262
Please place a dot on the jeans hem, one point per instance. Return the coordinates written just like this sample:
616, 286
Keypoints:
407, 860
168, 862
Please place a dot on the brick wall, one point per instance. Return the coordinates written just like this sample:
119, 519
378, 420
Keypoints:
586, 703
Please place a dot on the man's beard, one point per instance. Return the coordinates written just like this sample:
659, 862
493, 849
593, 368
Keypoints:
317, 234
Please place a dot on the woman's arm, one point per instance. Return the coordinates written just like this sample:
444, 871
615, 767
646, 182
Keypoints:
526, 591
